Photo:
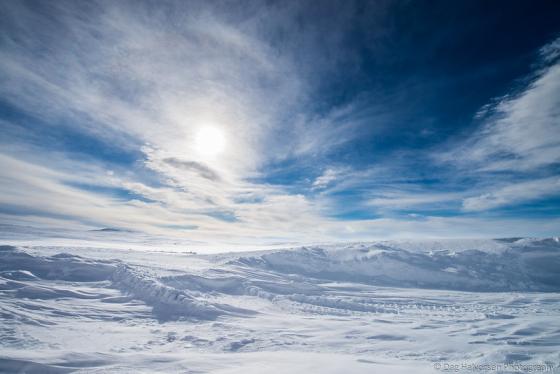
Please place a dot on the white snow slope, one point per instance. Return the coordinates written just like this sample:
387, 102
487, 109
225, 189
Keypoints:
421, 306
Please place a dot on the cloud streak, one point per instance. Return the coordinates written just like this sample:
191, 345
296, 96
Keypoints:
514, 194
520, 132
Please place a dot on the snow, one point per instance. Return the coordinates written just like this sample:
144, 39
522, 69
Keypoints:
400, 306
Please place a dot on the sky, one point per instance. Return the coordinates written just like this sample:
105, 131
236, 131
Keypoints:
269, 122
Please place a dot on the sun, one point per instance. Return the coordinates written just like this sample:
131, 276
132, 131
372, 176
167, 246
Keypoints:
209, 141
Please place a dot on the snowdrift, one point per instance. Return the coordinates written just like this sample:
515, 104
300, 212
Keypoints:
27, 276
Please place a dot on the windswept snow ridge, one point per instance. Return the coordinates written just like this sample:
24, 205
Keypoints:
524, 265
167, 301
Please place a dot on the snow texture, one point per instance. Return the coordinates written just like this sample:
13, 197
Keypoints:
364, 307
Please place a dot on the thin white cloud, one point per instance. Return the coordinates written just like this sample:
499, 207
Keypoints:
514, 194
426, 200
518, 140
521, 133
329, 176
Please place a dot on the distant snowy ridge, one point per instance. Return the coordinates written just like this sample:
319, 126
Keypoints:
61, 266
499, 265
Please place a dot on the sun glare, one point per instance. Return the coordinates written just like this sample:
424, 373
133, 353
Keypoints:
209, 141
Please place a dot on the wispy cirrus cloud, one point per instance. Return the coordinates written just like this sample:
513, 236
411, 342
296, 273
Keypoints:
147, 80
519, 132
517, 140
102, 103
415, 200
514, 193
329, 176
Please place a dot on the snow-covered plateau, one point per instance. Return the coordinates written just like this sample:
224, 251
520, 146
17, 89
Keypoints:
380, 307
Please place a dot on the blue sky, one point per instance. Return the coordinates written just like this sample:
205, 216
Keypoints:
271, 121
